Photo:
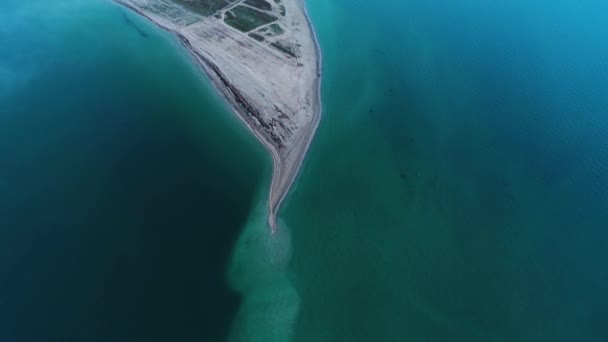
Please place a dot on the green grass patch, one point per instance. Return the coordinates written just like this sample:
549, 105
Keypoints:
256, 37
284, 48
276, 29
271, 30
245, 18
259, 4
203, 7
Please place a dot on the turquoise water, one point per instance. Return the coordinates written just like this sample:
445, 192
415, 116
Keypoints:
124, 181
457, 190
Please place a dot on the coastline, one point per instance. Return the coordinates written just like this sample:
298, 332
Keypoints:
312, 129
285, 167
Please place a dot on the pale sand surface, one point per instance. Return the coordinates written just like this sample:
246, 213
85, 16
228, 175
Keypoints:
276, 95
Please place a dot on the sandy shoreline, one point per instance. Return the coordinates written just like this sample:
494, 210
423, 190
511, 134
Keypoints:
286, 161
279, 196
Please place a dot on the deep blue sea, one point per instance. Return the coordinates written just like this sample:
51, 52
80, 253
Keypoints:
124, 181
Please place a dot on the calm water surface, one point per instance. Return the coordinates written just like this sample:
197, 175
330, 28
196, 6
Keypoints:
458, 187
124, 181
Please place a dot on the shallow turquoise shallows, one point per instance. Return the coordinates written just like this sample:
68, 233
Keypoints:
458, 187
124, 181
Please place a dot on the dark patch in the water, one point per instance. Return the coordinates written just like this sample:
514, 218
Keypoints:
131, 24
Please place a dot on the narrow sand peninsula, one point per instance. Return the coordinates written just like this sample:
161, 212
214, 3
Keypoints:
264, 58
